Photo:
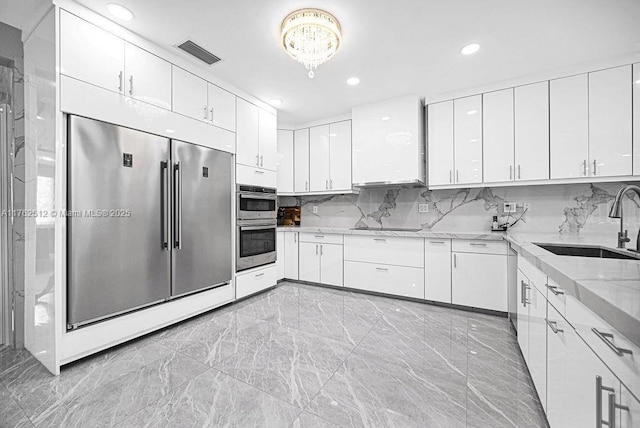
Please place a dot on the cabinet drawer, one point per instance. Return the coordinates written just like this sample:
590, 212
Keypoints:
255, 281
618, 353
534, 275
255, 176
478, 246
557, 297
397, 280
385, 250
321, 238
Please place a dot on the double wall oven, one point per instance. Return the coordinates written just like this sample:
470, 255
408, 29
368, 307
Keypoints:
256, 235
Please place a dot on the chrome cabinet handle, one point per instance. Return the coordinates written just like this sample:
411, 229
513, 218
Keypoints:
131, 85
477, 244
510, 172
605, 338
295, 238
211, 111
555, 290
318, 236
320, 249
326, 184
120, 82
330, 184
518, 172
457, 176
257, 160
611, 405
306, 185
455, 260
523, 291
584, 168
261, 160
206, 116
258, 275
316, 249
450, 176
259, 172
594, 167
436, 242
164, 189
553, 326
177, 204
382, 269
380, 239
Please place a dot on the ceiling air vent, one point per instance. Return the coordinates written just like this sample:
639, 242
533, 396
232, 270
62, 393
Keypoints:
202, 54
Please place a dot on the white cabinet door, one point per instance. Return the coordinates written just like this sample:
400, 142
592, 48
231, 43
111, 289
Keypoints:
532, 132
319, 170
630, 418
571, 377
309, 262
147, 77
498, 136
381, 278
467, 120
437, 270
610, 122
636, 119
331, 264
340, 155
291, 255
268, 140
537, 362
285, 161
440, 143
247, 142
522, 290
222, 107
90, 54
189, 94
569, 126
280, 255
479, 281
301, 160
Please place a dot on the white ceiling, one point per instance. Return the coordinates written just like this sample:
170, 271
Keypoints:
394, 47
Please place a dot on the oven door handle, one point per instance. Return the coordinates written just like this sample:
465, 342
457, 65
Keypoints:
259, 227
268, 196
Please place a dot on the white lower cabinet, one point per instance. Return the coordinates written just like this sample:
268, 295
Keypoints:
398, 280
280, 256
291, 255
629, 418
321, 259
254, 281
479, 281
437, 270
309, 261
331, 264
537, 359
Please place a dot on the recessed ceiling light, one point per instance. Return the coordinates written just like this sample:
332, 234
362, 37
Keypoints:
353, 81
120, 11
470, 49
385, 118
275, 102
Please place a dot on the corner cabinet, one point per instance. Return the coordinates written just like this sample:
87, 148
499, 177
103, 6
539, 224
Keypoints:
256, 136
388, 142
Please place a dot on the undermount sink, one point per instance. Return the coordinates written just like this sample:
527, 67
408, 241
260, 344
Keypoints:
387, 229
588, 251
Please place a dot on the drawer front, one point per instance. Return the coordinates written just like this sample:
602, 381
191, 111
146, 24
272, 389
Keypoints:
619, 354
478, 246
557, 297
536, 277
255, 281
396, 280
255, 176
387, 250
321, 238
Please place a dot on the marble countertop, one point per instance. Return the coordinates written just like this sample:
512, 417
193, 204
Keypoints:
489, 236
610, 288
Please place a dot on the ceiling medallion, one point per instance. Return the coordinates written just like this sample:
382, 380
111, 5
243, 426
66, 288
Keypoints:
311, 37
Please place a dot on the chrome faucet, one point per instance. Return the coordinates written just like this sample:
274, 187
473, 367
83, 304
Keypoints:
616, 212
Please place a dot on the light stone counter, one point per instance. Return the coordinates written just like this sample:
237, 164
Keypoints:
489, 236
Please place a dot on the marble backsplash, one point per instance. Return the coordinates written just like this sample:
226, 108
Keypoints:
574, 208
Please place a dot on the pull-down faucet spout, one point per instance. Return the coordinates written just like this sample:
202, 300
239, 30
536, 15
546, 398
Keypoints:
616, 212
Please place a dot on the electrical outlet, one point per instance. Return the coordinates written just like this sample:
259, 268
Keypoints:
509, 207
423, 208
526, 207
315, 209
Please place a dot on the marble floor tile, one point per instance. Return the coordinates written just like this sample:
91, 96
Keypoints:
11, 415
288, 363
214, 399
309, 420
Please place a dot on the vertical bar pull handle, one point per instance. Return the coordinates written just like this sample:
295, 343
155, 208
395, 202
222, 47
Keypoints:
316, 249
510, 172
164, 202
457, 176
594, 167
131, 85
120, 82
450, 176
261, 160
584, 167
518, 172
320, 249
455, 260
177, 206
211, 111
295, 238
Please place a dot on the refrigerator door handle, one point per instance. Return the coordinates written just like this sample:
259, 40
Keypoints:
164, 202
177, 205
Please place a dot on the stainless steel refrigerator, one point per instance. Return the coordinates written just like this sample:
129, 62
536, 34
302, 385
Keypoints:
149, 219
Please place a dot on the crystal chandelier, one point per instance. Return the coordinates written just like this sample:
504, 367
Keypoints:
311, 37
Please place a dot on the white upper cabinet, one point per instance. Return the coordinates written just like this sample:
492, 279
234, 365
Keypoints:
247, 134
531, 132
268, 139
440, 143
340, 155
467, 119
388, 143
301, 160
569, 126
91, 54
147, 77
636, 119
498, 136
285, 161
222, 107
319, 169
610, 122
189, 95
